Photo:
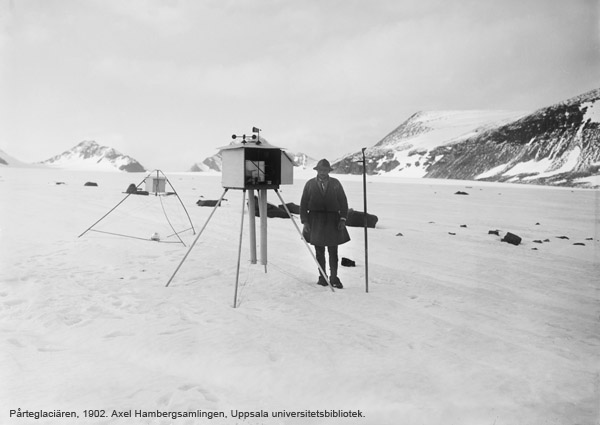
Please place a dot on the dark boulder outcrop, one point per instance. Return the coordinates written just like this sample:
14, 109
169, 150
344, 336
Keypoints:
273, 211
357, 219
511, 238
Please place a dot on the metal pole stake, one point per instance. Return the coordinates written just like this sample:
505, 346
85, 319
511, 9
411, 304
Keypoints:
237, 273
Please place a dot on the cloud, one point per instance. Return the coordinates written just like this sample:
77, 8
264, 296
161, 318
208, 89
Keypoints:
328, 75
166, 16
252, 79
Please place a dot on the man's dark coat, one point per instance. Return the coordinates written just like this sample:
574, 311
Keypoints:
322, 210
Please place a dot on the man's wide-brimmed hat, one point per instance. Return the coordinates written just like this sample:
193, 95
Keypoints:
323, 164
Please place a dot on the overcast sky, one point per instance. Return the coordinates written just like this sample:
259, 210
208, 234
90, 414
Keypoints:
168, 81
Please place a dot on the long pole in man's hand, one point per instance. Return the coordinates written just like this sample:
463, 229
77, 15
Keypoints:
365, 221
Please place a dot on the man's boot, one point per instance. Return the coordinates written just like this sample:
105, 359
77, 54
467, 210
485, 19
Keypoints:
320, 251
334, 279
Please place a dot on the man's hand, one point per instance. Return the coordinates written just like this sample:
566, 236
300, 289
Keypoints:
342, 224
306, 228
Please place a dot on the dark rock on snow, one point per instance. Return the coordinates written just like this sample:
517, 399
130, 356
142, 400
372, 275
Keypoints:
348, 262
357, 219
511, 238
208, 203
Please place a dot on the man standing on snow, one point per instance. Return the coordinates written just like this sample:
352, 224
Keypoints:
323, 211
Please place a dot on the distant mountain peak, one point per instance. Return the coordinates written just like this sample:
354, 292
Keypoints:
405, 150
7, 160
214, 163
555, 145
452, 124
89, 155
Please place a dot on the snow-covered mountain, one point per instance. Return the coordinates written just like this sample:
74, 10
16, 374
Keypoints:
214, 163
89, 155
302, 160
9, 161
557, 145
406, 151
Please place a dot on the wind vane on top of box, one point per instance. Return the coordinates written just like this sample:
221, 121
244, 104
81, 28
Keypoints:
254, 163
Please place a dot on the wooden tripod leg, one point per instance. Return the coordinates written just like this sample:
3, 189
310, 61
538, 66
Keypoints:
197, 237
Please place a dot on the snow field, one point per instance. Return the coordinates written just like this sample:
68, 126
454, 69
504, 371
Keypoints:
456, 328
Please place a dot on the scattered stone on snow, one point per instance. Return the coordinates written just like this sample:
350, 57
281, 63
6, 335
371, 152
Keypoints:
512, 239
132, 189
273, 211
357, 219
208, 203
346, 262
90, 184
460, 192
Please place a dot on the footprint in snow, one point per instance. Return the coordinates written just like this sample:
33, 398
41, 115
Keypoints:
13, 303
15, 342
207, 395
117, 333
49, 349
